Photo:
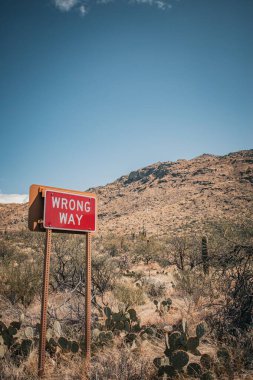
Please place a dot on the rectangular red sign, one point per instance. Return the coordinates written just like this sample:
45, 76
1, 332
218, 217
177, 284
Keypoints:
71, 212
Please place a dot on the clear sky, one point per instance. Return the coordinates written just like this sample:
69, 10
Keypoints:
91, 90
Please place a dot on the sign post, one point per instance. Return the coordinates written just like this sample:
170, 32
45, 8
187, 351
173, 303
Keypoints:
43, 318
88, 299
62, 210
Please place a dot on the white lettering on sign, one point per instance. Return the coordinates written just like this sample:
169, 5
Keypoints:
56, 202
79, 217
64, 203
71, 204
67, 219
71, 219
79, 206
87, 206
63, 218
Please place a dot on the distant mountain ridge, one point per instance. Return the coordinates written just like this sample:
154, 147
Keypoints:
167, 196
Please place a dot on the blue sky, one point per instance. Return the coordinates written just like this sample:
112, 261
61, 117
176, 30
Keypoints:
91, 90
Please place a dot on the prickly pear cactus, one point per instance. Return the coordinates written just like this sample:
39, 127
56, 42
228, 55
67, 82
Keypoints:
174, 340
179, 359
63, 343
192, 343
74, 347
11, 339
176, 356
123, 320
21, 342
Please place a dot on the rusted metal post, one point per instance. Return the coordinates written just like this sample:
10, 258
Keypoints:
88, 300
43, 320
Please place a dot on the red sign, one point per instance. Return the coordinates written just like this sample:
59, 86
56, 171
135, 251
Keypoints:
72, 212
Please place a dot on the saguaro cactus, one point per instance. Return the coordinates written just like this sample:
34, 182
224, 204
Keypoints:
204, 252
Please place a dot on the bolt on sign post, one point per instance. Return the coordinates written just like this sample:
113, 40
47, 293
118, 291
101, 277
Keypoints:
62, 211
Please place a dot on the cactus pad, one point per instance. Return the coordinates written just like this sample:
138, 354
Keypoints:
74, 347
63, 343
7, 338
194, 370
192, 343
49, 333
28, 332
12, 330
179, 359
26, 346
200, 330
16, 324
157, 362
95, 333
133, 315
174, 339
206, 361
107, 312
57, 328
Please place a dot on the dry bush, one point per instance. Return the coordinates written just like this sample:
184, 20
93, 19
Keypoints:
194, 285
154, 289
105, 272
232, 319
68, 262
184, 251
130, 295
122, 365
147, 250
20, 274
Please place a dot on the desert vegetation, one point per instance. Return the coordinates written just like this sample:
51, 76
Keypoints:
163, 307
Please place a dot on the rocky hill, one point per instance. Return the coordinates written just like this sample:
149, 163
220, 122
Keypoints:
167, 196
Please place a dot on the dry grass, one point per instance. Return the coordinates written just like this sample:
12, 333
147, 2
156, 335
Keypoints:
117, 365
122, 365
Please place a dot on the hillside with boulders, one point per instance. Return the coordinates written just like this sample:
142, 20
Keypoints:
167, 196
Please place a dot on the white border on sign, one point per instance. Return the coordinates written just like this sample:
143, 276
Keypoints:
69, 229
